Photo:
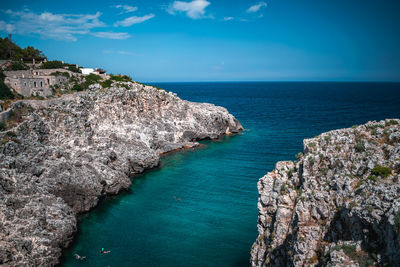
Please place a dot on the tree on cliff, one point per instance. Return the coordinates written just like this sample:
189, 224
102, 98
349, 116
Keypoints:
5, 92
10, 50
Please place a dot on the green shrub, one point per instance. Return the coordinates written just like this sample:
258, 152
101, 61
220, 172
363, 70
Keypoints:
2, 126
158, 88
372, 178
16, 65
374, 126
359, 145
299, 155
89, 80
54, 64
290, 172
11, 134
5, 92
391, 122
283, 189
78, 87
120, 78
92, 78
73, 68
106, 83
350, 251
124, 85
327, 138
60, 73
381, 171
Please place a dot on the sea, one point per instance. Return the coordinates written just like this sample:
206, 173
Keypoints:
199, 208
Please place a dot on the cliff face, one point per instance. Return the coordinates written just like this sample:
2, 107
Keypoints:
70, 151
338, 205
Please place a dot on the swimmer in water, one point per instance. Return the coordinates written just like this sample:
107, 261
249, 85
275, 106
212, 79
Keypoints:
79, 257
102, 251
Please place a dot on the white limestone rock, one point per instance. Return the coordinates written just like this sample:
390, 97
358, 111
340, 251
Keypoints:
71, 151
333, 207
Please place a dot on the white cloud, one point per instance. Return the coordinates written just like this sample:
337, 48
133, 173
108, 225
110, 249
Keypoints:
126, 8
256, 7
133, 20
220, 66
121, 52
8, 28
194, 9
228, 18
56, 26
111, 35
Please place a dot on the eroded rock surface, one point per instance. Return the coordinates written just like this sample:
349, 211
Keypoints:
69, 152
338, 205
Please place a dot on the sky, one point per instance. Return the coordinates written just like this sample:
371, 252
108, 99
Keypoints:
215, 40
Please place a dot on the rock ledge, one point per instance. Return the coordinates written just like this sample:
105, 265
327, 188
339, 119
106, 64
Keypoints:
338, 205
64, 154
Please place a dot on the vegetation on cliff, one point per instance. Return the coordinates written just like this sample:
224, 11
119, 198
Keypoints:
338, 205
10, 50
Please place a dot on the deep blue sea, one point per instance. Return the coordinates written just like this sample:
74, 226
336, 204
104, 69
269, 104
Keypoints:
200, 207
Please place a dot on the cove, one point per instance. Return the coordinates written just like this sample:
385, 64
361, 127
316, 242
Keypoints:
176, 214
200, 207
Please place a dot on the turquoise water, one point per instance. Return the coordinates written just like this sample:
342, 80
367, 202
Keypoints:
200, 207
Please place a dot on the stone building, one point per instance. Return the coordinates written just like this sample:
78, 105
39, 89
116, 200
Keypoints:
36, 82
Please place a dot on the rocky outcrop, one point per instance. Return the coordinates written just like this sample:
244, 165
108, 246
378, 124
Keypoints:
338, 205
64, 154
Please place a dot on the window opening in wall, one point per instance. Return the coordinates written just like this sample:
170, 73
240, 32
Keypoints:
34, 84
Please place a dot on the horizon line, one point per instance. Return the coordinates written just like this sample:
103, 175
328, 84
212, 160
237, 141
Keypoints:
275, 81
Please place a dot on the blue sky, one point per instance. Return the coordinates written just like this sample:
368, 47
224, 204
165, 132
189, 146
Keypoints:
216, 40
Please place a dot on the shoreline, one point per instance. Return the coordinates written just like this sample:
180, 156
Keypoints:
128, 190
92, 144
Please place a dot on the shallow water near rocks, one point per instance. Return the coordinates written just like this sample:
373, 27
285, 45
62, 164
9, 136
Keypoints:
200, 207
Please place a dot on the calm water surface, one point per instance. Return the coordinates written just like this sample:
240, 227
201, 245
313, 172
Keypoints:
200, 207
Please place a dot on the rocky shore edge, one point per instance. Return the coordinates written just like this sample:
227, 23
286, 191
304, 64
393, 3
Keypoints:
58, 157
337, 205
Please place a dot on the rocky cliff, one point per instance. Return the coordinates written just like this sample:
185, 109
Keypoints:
338, 205
62, 155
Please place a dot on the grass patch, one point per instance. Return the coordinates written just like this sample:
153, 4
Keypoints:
290, 172
283, 189
390, 123
60, 73
299, 155
311, 161
327, 138
120, 78
372, 178
106, 83
359, 147
381, 171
